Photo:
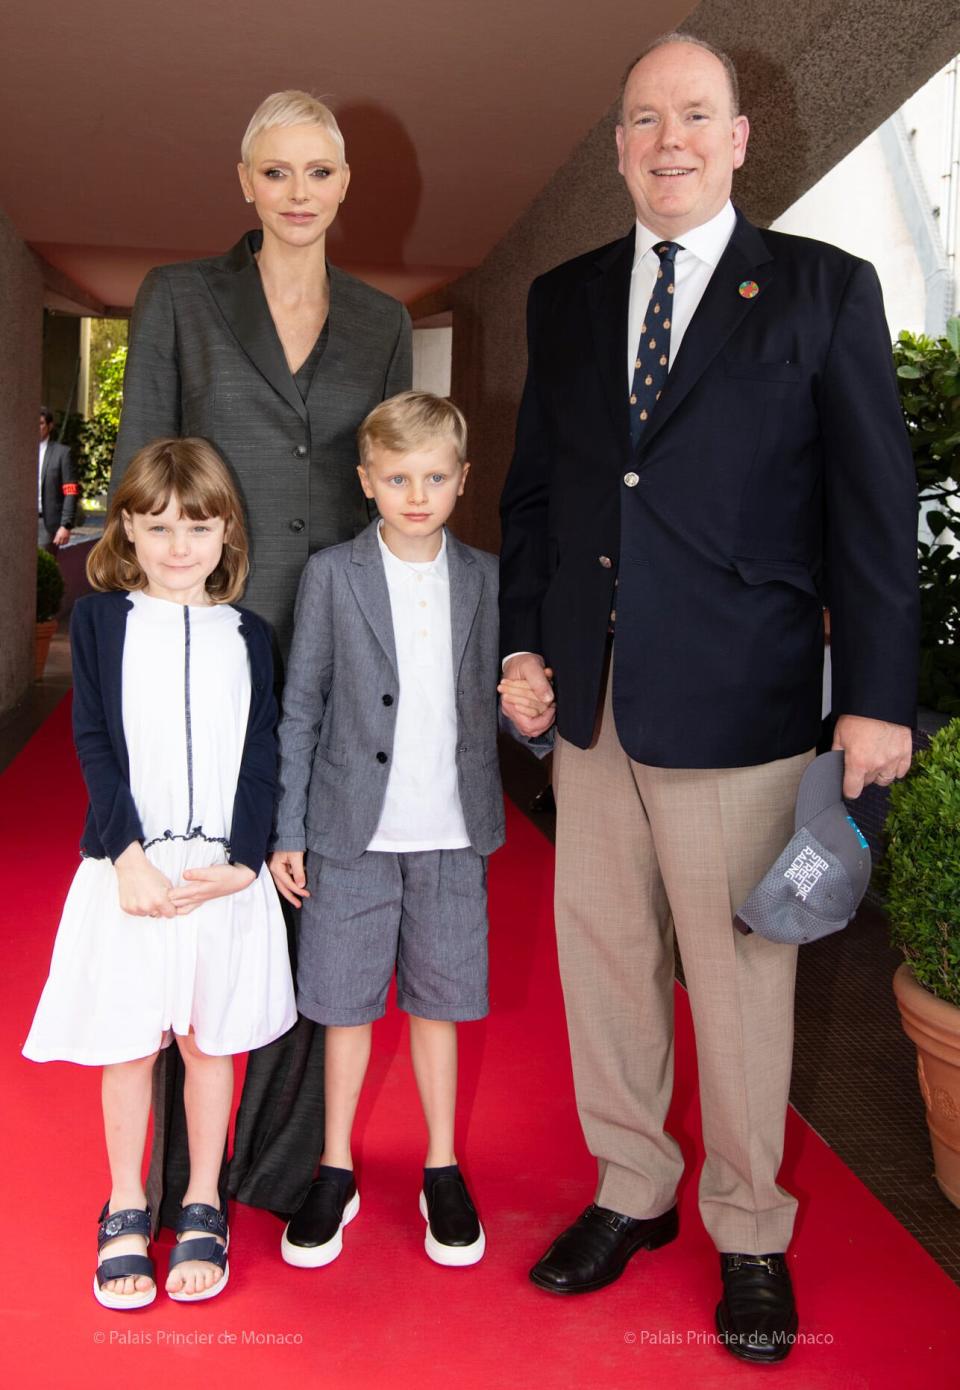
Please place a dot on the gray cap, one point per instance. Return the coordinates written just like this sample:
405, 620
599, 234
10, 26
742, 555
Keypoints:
818, 882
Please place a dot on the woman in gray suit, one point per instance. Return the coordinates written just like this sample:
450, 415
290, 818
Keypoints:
275, 356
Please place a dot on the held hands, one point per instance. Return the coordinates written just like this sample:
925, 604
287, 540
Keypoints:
526, 694
144, 890
874, 751
286, 866
216, 881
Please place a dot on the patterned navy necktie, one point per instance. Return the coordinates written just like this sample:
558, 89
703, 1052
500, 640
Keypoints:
653, 353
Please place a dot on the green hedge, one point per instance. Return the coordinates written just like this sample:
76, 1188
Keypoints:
922, 865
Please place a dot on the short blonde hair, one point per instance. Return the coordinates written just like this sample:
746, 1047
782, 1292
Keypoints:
286, 109
412, 420
192, 471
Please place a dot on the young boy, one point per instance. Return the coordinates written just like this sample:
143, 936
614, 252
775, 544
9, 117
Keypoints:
389, 781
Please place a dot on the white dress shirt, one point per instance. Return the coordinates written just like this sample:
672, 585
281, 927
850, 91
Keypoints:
43, 455
701, 249
421, 808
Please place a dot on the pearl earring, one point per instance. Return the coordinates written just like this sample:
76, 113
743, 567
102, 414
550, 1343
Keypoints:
248, 200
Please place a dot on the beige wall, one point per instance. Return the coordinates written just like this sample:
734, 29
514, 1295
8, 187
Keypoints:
21, 323
816, 76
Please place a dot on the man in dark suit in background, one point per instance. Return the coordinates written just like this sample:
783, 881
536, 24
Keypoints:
710, 444
57, 488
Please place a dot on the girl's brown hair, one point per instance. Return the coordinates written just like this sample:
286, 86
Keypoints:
192, 471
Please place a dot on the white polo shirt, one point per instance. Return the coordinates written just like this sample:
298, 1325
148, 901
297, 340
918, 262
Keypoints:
421, 809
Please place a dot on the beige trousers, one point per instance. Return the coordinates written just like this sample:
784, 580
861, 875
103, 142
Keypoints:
643, 852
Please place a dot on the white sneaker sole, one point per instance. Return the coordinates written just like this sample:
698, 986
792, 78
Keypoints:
453, 1256
316, 1256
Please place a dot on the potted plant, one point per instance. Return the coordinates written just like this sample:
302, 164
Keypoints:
923, 903
49, 597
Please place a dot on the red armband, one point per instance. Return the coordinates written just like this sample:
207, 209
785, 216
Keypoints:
70, 489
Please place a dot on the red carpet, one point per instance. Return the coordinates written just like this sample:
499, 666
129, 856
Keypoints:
876, 1310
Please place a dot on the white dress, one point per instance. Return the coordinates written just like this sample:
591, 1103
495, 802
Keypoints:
119, 985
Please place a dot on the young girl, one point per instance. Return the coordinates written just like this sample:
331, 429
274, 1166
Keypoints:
172, 928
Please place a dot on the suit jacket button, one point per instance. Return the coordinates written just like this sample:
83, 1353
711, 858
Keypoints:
605, 561
631, 479
388, 699
300, 452
297, 525
381, 757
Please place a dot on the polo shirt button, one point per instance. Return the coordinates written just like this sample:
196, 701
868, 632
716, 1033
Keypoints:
388, 699
605, 561
297, 525
381, 757
300, 452
631, 479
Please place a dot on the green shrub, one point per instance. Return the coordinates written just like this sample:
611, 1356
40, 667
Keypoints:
97, 437
928, 375
49, 586
922, 865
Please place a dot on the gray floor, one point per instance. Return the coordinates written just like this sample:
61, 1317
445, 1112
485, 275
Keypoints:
20, 723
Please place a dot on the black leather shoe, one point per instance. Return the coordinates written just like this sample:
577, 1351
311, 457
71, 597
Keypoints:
757, 1317
595, 1249
314, 1235
454, 1234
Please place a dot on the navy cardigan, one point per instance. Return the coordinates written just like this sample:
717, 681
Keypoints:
97, 634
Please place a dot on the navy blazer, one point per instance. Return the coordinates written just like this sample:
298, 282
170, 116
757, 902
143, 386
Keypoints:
775, 476
97, 634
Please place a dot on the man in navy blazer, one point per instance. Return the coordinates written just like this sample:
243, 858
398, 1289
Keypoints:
57, 488
709, 451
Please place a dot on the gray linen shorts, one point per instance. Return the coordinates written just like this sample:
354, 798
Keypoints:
423, 913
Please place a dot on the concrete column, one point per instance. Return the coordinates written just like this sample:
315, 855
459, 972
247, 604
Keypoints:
21, 326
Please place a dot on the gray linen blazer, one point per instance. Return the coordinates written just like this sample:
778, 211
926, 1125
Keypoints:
205, 359
340, 700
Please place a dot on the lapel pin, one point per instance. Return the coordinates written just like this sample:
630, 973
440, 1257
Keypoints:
749, 289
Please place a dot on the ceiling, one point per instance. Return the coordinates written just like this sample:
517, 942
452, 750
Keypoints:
122, 122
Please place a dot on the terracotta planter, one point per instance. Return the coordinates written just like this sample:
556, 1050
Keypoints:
45, 633
934, 1027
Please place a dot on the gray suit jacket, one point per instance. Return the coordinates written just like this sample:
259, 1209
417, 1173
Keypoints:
58, 487
340, 700
205, 359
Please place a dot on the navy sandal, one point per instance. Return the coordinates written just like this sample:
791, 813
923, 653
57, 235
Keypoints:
208, 1223
130, 1222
